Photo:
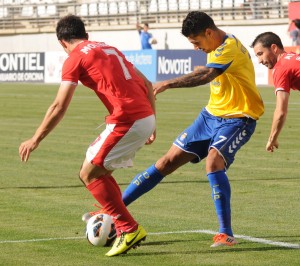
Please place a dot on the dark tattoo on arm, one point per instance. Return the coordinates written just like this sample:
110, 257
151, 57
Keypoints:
198, 77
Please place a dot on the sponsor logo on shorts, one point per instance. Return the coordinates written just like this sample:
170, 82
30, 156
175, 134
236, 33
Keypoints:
95, 141
183, 136
237, 141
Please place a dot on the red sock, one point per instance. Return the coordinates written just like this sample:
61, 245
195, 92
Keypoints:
115, 184
110, 198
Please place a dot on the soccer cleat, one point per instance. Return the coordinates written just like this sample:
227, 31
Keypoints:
126, 241
223, 240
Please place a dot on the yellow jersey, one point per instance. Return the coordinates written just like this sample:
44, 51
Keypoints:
234, 92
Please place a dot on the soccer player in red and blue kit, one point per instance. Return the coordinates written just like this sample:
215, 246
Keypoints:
129, 99
286, 76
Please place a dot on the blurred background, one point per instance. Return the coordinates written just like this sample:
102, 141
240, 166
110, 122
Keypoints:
27, 32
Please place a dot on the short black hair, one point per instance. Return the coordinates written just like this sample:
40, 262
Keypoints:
267, 39
70, 27
196, 22
297, 23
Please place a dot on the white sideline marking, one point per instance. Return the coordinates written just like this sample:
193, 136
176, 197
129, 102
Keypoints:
40, 239
248, 238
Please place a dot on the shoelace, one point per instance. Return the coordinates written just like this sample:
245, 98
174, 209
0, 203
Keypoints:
122, 237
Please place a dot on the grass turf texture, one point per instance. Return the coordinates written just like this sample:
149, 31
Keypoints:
44, 198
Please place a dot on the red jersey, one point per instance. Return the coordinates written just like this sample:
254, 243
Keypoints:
105, 70
286, 73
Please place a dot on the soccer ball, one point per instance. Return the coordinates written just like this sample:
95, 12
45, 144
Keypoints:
100, 230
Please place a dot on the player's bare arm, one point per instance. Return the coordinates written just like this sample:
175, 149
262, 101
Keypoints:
151, 98
279, 117
52, 117
139, 27
149, 87
202, 75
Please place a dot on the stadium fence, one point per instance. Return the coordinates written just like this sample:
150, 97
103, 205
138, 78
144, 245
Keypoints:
38, 16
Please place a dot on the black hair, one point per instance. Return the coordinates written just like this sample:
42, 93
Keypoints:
297, 23
267, 39
70, 27
196, 22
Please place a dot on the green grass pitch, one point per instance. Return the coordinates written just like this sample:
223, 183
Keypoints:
42, 201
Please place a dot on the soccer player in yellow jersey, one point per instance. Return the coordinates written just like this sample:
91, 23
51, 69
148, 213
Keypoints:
222, 127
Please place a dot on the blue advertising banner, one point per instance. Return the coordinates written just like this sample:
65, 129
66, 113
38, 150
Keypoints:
156, 65
174, 63
145, 61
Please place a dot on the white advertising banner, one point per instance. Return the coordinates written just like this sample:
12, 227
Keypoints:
53, 66
22, 67
261, 72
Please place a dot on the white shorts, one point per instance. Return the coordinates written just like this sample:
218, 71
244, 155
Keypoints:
116, 146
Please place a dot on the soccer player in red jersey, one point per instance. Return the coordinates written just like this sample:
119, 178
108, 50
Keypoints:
286, 76
128, 97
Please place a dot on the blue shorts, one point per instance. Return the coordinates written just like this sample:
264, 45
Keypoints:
227, 135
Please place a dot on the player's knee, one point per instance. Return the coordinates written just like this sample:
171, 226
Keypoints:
87, 174
214, 161
83, 176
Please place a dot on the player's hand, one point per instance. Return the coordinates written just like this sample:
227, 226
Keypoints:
271, 145
26, 148
159, 87
151, 139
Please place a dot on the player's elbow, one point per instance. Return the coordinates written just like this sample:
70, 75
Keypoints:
281, 114
58, 109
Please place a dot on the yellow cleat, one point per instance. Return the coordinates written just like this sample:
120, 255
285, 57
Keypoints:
127, 241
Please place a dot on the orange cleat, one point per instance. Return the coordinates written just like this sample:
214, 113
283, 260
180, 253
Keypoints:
223, 240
